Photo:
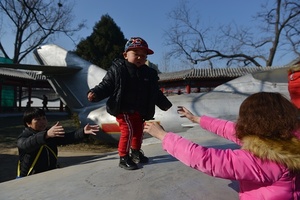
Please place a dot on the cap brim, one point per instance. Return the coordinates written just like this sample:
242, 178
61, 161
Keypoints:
149, 51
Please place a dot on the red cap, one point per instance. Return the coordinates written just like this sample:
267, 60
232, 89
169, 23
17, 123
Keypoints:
137, 43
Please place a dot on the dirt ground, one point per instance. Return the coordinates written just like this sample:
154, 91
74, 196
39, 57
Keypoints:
11, 126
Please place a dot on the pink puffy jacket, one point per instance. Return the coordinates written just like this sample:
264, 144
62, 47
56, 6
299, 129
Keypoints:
265, 169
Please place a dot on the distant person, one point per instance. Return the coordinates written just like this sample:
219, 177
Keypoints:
37, 145
132, 88
28, 104
268, 164
45, 103
294, 84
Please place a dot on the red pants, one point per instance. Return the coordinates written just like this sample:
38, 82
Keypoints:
131, 127
294, 87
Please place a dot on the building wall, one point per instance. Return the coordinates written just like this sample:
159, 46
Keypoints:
191, 85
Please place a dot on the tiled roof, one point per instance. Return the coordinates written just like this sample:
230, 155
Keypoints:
36, 76
211, 73
171, 76
22, 74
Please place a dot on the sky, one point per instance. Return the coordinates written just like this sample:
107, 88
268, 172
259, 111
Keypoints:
149, 20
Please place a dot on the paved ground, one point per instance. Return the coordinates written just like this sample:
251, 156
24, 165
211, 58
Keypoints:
99, 177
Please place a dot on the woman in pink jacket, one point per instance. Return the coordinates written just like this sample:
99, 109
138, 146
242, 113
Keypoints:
267, 166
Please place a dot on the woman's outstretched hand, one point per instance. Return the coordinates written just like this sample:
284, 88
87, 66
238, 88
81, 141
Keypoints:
186, 113
155, 129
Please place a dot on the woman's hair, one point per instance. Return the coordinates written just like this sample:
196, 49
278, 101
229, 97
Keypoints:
268, 115
32, 113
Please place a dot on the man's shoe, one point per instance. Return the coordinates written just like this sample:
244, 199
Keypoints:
126, 163
138, 156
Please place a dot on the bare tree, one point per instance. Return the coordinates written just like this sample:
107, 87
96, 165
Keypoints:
278, 29
35, 21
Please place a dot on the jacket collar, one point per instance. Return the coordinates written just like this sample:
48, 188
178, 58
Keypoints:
286, 152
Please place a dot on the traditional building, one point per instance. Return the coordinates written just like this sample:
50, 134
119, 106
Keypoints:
16, 85
201, 80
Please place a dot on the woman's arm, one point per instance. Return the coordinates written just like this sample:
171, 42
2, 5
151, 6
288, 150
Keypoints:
223, 128
223, 163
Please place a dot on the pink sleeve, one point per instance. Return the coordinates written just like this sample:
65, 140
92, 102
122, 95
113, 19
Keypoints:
189, 153
221, 127
297, 134
223, 163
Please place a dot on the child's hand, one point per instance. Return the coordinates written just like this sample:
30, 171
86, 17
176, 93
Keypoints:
91, 129
91, 96
56, 131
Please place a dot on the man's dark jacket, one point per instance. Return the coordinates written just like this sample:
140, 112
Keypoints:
29, 143
114, 86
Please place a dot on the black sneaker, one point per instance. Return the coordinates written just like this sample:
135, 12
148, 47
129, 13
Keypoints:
138, 156
126, 163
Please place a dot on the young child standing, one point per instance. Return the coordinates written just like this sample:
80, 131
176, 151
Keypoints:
268, 164
132, 88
